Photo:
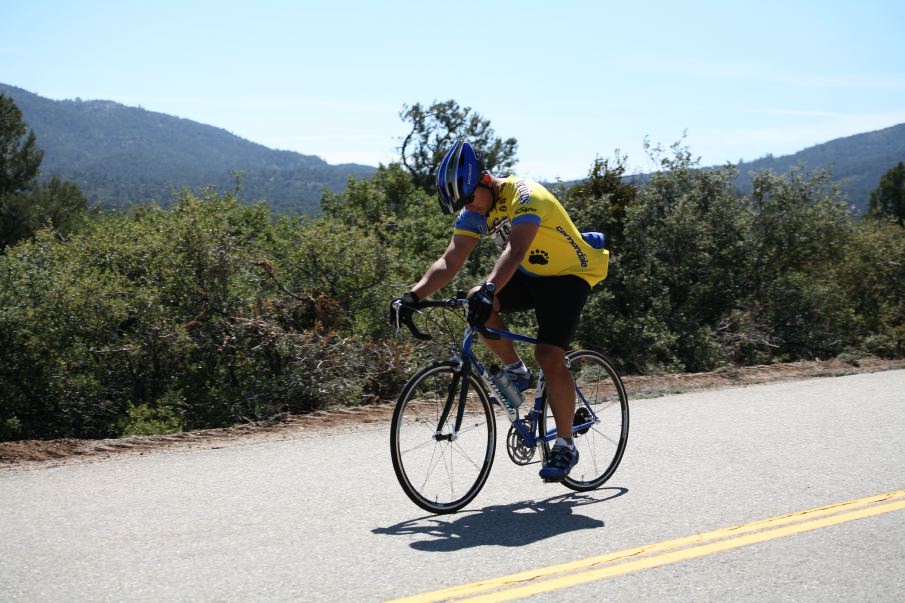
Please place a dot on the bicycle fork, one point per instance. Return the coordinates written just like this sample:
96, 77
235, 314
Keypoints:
457, 387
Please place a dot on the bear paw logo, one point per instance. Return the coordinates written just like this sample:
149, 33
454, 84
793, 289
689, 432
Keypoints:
539, 256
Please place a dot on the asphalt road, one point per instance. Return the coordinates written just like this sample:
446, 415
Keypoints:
320, 517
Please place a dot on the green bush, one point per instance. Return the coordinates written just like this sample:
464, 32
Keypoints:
704, 277
212, 312
235, 315
158, 419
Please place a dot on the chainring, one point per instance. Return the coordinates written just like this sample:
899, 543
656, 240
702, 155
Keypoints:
518, 452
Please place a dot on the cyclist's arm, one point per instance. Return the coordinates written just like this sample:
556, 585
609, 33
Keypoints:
520, 239
446, 266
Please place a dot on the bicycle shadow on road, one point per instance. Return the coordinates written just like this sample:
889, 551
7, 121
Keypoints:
511, 525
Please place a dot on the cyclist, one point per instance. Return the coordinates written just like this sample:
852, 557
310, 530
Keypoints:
545, 264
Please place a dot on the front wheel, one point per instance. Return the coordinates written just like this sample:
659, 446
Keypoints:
442, 470
602, 402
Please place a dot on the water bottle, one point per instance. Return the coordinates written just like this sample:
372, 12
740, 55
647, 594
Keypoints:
513, 397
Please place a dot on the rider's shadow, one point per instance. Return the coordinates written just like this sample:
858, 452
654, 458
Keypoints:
503, 525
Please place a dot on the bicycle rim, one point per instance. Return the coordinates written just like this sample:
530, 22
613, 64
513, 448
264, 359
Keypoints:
439, 474
600, 448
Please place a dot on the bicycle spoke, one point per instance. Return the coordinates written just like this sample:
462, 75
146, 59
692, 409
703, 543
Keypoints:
466, 430
428, 423
604, 435
418, 446
465, 455
433, 464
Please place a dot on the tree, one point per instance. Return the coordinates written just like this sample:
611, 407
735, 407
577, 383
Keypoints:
599, 202
435, 128
889, 198
26, 205
19, 159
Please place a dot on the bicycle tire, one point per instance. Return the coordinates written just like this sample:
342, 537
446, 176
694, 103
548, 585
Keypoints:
442, 476
602, 445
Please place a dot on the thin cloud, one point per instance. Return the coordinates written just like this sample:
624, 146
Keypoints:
272, 103
872, 81
799, 113
753, 142
772, 74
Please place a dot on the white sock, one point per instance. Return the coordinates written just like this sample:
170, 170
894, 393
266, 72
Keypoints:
518, 367
567, 442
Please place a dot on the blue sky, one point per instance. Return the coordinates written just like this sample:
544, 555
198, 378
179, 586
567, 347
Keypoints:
570, 80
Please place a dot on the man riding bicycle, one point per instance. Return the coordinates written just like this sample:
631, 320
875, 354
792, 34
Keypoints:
545, 264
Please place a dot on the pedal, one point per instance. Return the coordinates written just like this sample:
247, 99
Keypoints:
553, 480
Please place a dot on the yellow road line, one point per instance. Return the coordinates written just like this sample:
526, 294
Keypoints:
681, 555
588, 570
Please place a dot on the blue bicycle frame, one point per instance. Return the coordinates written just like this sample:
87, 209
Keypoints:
469, 361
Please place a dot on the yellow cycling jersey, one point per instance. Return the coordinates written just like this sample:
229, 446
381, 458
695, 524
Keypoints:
558, 248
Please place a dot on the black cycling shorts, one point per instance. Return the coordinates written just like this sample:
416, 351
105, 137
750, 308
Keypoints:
557, 303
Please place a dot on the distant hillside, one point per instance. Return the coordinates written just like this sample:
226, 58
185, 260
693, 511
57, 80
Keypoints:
121, 155
857, 162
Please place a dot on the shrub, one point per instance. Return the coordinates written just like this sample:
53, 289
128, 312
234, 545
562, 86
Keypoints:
213, 312
165, 320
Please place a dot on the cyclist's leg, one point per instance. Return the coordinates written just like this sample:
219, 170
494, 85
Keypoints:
603, 415
560, 396
504, 349
559, 386
558, 304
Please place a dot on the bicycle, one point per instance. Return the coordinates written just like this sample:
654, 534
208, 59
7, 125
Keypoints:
443, 432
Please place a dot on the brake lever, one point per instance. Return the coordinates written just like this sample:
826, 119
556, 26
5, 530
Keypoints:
482, 330
408, 322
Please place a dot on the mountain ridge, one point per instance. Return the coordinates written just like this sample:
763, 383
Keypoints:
857, 162
120, 155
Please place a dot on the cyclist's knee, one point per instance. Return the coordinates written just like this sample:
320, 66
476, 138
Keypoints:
495, 321
549, 357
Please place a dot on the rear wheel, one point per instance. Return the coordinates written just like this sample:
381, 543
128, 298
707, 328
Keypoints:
442, 471
600, 427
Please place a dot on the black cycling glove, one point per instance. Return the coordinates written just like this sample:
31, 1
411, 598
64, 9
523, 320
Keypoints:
401, 316
480, 305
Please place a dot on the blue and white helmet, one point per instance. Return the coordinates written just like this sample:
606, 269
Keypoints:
458, 176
